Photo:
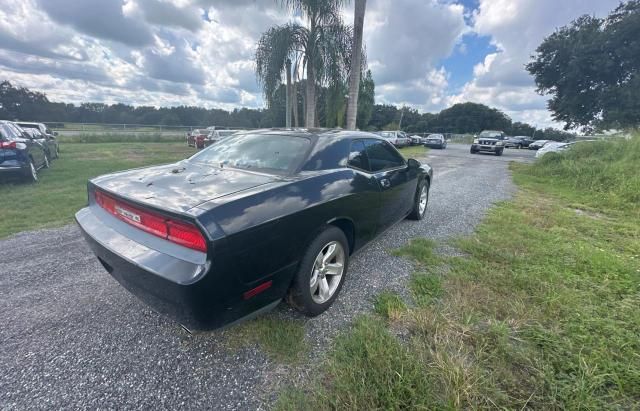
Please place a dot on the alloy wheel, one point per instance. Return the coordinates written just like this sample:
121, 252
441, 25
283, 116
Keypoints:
34, 172
422, 204
327, 272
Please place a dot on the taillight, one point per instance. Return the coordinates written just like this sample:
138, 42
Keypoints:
8, 144
178, 232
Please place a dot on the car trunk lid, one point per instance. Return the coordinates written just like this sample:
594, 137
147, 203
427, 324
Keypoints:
181, 186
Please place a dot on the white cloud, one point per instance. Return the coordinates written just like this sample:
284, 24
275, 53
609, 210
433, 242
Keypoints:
200, 52
516, 28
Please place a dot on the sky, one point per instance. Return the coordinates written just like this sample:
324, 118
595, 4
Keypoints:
426, 54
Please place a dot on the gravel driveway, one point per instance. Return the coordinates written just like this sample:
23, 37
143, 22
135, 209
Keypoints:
73, 338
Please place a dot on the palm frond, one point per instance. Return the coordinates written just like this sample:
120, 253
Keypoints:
274, 47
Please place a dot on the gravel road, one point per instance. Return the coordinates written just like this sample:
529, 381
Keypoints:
72, 337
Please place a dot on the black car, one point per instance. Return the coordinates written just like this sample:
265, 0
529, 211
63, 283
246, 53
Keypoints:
517, 142
50, 146
45, 132
20, 155
250, 220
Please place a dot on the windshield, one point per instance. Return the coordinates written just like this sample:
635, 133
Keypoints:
434, 137
490, 134
278, 153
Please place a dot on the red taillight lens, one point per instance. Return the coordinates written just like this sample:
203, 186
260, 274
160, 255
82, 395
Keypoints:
8, 144
186, 234
182, 233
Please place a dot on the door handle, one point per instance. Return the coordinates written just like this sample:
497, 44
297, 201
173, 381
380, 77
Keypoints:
385, 183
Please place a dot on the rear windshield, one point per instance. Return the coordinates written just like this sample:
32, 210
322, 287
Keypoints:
8, 132
270, 153
23, 125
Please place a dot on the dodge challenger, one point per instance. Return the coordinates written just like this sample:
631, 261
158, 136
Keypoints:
251, 220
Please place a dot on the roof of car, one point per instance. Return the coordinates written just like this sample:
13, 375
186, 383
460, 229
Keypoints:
317, 132
28, 122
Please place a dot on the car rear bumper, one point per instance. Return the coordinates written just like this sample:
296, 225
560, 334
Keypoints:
183, 289
435, 145
13, 167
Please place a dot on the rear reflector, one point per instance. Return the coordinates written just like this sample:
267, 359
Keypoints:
255, 291
178, 232
8, 144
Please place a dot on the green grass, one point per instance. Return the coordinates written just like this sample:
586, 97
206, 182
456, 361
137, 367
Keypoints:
416, 152
389, 305
128, 137
282, 340
62, 191
543, 312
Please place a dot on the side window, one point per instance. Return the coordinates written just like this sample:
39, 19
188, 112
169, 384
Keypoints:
358, 155
382, 156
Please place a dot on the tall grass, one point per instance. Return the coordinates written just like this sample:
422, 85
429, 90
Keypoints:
607, 170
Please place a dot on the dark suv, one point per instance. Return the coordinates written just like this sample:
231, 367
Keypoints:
489, 141
20, 155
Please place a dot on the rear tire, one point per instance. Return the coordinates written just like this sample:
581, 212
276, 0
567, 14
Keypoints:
420, 202
32, 172
321, 273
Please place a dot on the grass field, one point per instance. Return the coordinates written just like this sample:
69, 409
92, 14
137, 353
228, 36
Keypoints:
61, 190
542, 312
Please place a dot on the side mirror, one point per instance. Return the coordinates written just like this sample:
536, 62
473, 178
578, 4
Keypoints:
55, 133
412, 163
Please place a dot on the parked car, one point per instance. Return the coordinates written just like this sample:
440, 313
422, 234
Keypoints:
517, 142
436, 141
50, 145
20, 155
489, 141
416, 140
250, 220
49, 135
197, 138
217, 135
538, 144
552, 147
397, 138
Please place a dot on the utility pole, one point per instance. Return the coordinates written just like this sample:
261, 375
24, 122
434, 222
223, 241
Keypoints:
401, 115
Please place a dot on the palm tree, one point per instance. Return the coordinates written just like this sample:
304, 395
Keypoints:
356, 57
321, 48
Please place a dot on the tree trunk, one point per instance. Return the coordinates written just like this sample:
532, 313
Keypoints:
294, 100
356, 61
288, 95
310, 113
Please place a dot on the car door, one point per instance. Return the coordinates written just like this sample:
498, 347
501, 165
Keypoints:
396, 182
368, 198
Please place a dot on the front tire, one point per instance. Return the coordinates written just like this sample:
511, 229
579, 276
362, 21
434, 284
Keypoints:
321, 273
499, 152
420, 202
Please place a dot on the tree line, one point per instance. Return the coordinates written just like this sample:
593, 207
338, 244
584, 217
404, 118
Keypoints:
20, 103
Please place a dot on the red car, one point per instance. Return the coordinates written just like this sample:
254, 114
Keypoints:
196, 138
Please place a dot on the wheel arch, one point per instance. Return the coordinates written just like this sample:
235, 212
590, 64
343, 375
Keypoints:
348, 228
